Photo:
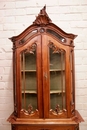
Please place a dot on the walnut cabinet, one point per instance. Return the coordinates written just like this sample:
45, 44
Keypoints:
43, 78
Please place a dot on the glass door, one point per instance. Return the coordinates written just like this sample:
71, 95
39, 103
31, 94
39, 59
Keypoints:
31, 79
54, 89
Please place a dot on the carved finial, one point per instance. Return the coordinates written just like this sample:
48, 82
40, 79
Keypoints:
43, 10
42, 17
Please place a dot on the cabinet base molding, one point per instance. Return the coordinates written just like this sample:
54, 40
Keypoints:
46, 127
45, 124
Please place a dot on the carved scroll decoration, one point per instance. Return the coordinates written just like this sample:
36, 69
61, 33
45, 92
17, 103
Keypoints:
15, 109
31, 49
42, 17
29, 112
77, 118
55, 48
12, 118
58, 111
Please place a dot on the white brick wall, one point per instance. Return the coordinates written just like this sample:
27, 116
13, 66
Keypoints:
15, 16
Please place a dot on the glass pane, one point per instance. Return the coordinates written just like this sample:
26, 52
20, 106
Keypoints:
57, 80
28, 79
28, 36
58, 36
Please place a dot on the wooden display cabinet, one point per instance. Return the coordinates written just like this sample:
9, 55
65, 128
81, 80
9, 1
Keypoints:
43, 78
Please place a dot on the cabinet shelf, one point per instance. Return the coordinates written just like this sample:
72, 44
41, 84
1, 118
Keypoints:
51, 92
28, 70
56, 92
56, 70
29, 92
51, 70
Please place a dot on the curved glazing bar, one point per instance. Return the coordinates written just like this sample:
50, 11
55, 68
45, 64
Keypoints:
27, 36
58, 36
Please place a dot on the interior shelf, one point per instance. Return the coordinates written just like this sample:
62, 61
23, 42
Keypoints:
51, 92
56, 92
28, 70
29, 92
51, 70
56, 70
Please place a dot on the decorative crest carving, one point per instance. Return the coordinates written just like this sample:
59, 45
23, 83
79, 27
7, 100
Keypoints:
42, 17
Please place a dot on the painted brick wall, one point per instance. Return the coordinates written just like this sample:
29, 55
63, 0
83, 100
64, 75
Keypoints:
15, 16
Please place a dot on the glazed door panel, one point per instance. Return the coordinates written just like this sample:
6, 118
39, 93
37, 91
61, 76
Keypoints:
54, 92
29, 81
57, 80
57, 77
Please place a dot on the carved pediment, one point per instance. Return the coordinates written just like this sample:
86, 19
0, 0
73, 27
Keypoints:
42, 17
